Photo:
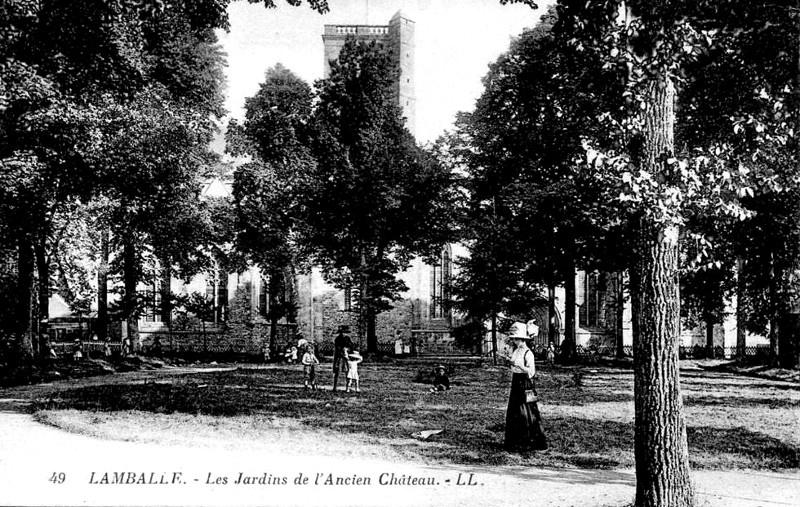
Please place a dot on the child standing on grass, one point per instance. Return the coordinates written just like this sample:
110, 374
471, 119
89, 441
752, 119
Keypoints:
310, 363
352, 370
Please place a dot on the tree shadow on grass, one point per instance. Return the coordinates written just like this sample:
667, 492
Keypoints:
732, 400
578, 397
739, 448
597, 445
734, 387
14, 405
574, 442
706, 380
473, 423
152, 397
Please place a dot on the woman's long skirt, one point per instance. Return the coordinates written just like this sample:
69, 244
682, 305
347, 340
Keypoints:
523, 422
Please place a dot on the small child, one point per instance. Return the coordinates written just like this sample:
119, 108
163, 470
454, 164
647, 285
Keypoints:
156, 347
77, 350
353, 358
290, 355
441, 382
310, 363
302, 346
551, 354
50, 350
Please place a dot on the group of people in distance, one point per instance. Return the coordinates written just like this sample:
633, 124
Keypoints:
345, 360
523, 429
79, 351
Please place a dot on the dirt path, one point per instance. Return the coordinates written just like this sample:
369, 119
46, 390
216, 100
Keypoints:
31, 453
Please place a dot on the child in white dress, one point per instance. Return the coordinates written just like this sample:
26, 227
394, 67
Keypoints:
353, 359
310, 363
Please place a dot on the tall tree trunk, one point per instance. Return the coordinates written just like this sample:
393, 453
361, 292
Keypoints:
24, 304
567, 349
789, 337
789, 349
131, 280
774, 304
741, 316
660, 447
275, 287
372, 336
494, 338
619, 336
372, 314
102, 287
709, 336
166, 294
552, 332
366, 331
43, 308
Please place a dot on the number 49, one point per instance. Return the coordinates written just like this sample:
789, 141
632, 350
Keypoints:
58, 478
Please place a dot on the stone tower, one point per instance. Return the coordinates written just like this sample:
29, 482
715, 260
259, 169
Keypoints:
398, 36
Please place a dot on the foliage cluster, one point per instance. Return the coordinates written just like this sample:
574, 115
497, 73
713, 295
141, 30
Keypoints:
553, 152
107, 109
336, 180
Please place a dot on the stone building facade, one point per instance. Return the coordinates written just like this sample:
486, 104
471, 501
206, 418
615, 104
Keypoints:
603, 309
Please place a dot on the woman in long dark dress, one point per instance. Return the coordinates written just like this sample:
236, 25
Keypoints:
523, 422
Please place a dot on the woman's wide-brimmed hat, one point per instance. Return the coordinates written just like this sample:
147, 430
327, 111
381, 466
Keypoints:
519, 331
354, 355
440, 367
344, 329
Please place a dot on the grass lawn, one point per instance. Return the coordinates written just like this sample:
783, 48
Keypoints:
733, 422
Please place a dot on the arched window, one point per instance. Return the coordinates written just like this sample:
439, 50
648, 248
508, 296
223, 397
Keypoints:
594, 289
348, 298
217, 294
263, 296
153, 305
272, 290
441, 274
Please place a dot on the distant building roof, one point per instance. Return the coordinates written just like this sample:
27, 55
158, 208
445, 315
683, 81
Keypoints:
58, 308
399, 15
216, 187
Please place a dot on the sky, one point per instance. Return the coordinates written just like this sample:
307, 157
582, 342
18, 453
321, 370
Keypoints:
456, 40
